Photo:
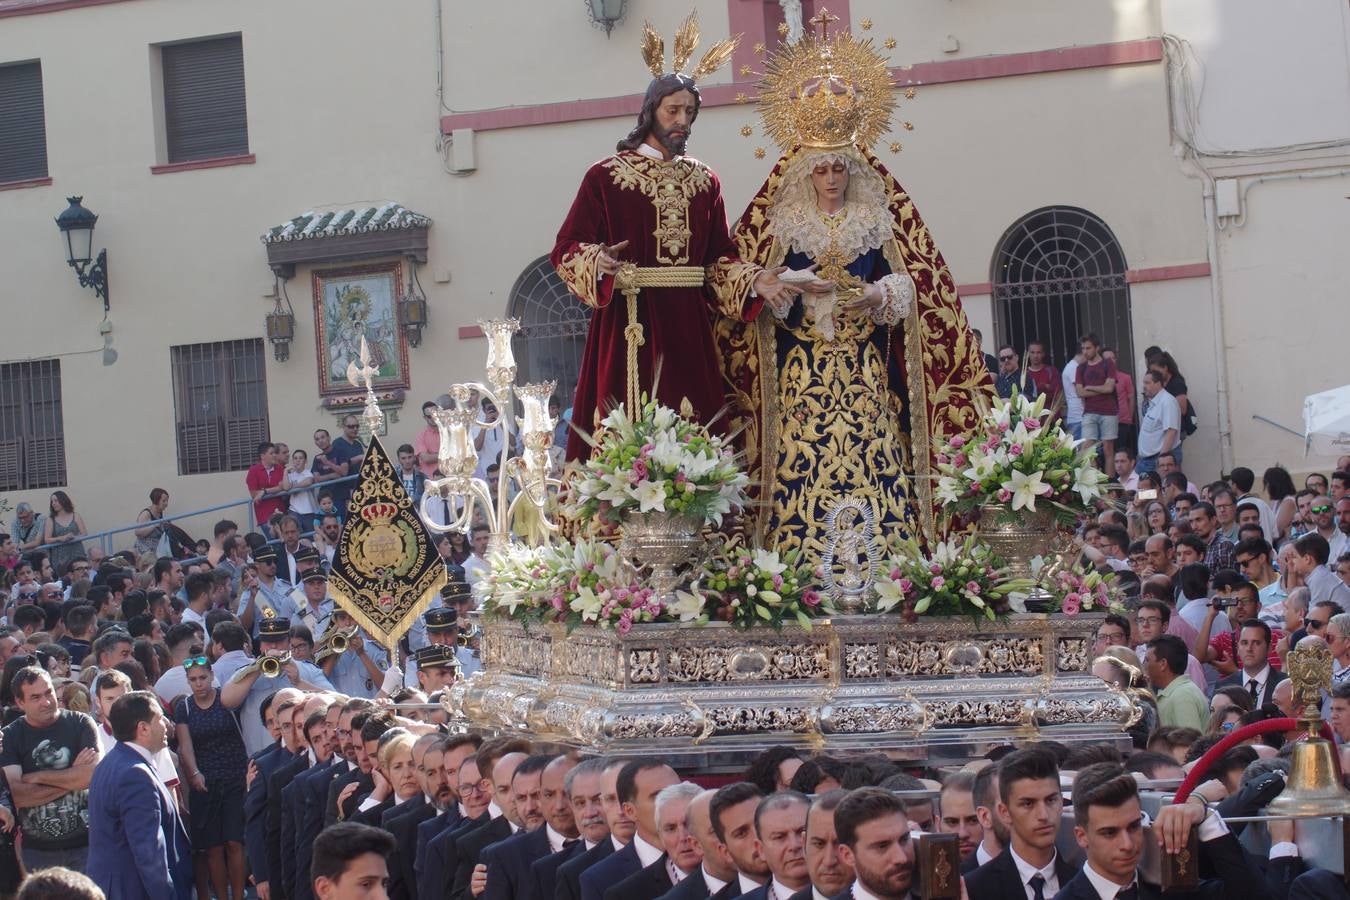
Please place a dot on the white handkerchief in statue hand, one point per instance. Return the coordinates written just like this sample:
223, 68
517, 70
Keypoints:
819, 308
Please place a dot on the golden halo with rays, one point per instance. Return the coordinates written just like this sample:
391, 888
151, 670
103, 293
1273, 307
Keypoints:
826, 93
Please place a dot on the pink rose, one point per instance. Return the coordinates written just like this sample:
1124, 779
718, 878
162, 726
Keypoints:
778, 581
959, 441
935, 568
557, 602
943, 459
1004, 495
960, 460
906, 585
973, 587
647, 448
811, 599
640, 468
1002, 427
625, 623
1015, 450
938, 582
1071, 605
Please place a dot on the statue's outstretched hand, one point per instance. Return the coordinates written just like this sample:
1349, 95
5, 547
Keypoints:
609, 257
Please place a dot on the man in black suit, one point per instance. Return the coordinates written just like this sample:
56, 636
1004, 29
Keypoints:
824, 865
716, 869
639, 781
504, 822
618, 830
1030, 804
732, 811
581, 792
310, 818
546, 817
370, 810
874, 840
1253, 654
458, 748
319, 737
957, 814
984, 793
682, 853
264, 763
442, 853
281, 871
1108, 824
427, 757
780, 834
359, 767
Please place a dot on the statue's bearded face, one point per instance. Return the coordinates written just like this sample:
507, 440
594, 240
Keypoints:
831, 182
675, 116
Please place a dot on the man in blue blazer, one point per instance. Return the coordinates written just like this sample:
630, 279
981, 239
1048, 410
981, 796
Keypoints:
138, 847
264, 763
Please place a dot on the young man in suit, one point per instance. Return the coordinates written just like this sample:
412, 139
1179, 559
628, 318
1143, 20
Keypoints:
874, 840
262, 764
590, 799
138, 846
1108, 824
504, 820
984, 794
733, 820
639, 782
442, 853
1256, 675
294, 796
349, 861
358, 773
1029, 805
311, 817
537, 785
681, 854
780, 835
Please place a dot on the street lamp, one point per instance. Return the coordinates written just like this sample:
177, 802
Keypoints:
412, 307
281, 324
77, 225
606, 13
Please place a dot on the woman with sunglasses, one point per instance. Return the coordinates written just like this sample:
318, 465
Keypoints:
211, 752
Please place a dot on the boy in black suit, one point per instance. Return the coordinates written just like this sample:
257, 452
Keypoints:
1029, 805
1108, 824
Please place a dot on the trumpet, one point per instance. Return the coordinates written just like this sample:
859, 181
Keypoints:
467, 636
269, 666
334, 643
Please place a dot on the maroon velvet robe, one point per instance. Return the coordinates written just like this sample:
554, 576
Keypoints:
618, 200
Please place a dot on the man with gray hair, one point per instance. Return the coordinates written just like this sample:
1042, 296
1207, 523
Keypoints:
716, 870
682, 853
508, 862
582, 786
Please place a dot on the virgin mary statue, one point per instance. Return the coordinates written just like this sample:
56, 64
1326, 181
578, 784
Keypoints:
844, 396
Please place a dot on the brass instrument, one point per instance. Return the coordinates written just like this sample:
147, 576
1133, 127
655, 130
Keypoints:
334, 643
468, 636
269, 666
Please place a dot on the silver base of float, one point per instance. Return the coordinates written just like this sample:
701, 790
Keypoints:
936, 691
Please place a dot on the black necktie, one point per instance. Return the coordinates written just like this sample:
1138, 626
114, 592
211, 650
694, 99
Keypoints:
569, 843
1037, 883
445, 510
1251, 687
1129, 893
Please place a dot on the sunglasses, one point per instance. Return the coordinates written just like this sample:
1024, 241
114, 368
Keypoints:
1004, 358
1243, 563
1314, 624
196, 661
1319, 509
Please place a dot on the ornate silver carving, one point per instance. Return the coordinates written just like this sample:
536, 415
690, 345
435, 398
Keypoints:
851, 555
1072, 654
872, 718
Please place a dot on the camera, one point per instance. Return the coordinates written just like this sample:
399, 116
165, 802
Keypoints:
1146, 495
1223, 602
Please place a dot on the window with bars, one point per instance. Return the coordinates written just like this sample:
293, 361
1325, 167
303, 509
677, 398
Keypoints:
204, 111
220, 405
23, 126
553, 325
32, 438
1059, 273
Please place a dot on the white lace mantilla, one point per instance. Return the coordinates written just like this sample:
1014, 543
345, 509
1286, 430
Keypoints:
795, 220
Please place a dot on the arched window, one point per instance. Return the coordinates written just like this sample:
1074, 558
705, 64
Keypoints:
553, 325
1059, 273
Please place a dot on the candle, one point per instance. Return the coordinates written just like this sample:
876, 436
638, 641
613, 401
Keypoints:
499, 333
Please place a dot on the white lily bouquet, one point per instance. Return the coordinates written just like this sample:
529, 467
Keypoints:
658, 461
957, 577
1019, 459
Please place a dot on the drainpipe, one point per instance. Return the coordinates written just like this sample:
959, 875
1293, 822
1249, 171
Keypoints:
1216, 305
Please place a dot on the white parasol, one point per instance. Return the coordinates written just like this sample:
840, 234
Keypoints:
1326, 422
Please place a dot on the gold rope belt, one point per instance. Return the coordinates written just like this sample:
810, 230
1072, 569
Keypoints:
630, 279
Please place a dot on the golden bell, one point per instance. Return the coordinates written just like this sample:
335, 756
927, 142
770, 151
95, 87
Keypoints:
270, 666
1312, 788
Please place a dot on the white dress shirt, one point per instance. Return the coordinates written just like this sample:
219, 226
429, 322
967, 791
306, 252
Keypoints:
647, 854
1260, 677
1026, 871
862, 893
1105, 887
714, 883
982, 855
747, 884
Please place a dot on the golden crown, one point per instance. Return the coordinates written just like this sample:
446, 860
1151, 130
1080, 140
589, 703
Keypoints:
826, 93
686, 40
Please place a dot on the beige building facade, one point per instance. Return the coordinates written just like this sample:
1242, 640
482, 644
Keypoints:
1124, 149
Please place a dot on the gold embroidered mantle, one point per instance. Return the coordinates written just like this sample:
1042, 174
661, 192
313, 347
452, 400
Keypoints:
670, 185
